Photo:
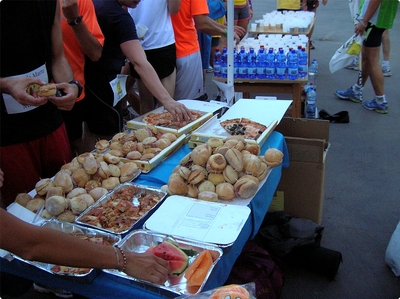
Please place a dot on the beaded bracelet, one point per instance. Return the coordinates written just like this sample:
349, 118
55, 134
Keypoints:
117, 256
362, 23
124, 258
226, 32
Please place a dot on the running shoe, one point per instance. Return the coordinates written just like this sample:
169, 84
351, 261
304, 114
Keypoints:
46, 289
353, 66
349, 94
210, 69
377, 106
386, 71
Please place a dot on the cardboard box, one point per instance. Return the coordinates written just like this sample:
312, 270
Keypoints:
303, 182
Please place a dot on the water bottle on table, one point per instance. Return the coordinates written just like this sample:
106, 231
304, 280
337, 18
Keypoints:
261, 64
243, 63
293, 65
270, 64
303, 63
217, 63
281, 65
224, 63
252, 68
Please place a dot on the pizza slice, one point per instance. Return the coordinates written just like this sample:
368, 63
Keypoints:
165, 119
243, 126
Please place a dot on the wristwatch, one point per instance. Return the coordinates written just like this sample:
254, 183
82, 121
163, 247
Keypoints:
80, 88
75, 21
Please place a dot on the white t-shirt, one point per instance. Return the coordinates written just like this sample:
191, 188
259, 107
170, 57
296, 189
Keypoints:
155, 15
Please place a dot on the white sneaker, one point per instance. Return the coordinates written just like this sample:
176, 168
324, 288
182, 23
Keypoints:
386, 71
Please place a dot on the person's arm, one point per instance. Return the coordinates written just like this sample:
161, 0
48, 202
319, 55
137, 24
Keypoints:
173, 6
372, 7
134, 52
1, 178
208, 26
89, 43
62, 71
47, 245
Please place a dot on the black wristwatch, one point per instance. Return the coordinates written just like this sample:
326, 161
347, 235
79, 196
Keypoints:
80, 88
75, 21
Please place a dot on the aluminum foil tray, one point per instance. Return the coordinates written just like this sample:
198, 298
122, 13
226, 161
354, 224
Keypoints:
80, 274
125, 216
140, 240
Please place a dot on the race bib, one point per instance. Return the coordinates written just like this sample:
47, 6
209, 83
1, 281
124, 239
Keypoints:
118, 86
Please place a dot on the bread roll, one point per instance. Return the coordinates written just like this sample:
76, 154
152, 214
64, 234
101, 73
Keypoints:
208, 196
273, 157
55, 205
47, 90
225, 191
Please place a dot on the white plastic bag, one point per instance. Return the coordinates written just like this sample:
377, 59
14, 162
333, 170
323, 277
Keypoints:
392, 257
346, 53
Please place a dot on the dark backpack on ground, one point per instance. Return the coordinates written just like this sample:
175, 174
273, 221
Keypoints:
256, 265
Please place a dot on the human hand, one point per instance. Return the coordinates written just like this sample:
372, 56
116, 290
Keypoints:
359, 29
147, 266
23, 90
1, 178
178, 110
239, 31
70, 9
69, 94
324, 2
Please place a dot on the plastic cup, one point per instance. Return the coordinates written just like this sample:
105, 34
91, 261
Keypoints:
253, 26
141, 30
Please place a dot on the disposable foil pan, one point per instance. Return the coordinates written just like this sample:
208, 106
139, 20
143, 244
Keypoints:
117, 226
140, 240
80, 274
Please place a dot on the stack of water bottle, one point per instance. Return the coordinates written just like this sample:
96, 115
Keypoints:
263, 63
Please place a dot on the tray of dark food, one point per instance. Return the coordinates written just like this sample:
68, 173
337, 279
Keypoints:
191, 262
85, 233
122, 209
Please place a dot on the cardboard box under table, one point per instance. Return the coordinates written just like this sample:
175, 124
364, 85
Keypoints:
303, 181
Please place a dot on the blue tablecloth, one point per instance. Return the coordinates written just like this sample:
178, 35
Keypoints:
109, 286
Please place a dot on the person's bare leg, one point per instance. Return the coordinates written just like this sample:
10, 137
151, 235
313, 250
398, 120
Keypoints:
386, 45
372, 68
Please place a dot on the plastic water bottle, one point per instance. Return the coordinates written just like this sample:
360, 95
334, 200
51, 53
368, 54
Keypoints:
270, 64
235, 64
281, 65
312, 72
252, 68
293, 65
243, 63
217, 63
224, 63
315, 64
303, 63
311, 106
261, 64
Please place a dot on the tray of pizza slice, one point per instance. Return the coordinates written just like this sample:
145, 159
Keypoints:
254, 119
85, 275
162, 119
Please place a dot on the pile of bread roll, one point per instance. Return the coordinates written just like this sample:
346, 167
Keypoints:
142, 144
222, 169
78, 185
